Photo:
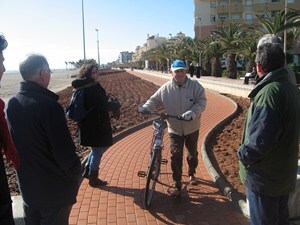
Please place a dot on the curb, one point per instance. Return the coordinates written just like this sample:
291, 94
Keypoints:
236, 198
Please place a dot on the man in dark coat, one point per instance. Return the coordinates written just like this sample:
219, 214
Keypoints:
49, 166
191, 69
197, 71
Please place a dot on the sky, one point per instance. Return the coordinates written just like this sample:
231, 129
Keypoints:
54, 28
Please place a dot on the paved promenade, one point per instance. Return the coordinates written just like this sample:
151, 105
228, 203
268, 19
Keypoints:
121, 202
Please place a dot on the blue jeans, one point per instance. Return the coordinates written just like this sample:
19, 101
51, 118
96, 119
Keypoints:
94, 157
267, 210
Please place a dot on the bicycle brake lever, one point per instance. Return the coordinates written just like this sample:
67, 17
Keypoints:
181, 118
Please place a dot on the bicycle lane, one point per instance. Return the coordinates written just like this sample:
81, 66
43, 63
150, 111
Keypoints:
121, 202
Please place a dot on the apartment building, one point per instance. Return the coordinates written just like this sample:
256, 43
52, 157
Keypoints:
211, 14
154, 41
125, 57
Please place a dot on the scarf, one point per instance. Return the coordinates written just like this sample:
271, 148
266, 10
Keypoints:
7, 146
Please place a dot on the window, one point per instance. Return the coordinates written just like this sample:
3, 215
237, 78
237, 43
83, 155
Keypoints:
249, 16
212, 4
263, 14
275, 0
222, 18
236, 16
249, 2
291, 1
213, 19
273, 13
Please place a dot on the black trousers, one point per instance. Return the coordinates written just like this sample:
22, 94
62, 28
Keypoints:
177, 144
6, 215
59, 216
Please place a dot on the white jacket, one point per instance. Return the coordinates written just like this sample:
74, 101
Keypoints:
178, 100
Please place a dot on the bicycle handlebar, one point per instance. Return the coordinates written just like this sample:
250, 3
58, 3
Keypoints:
162, 115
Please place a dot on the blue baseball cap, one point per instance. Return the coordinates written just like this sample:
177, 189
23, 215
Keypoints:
178, 65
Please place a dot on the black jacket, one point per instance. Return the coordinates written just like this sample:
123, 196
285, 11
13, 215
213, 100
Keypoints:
95, 130
49, 166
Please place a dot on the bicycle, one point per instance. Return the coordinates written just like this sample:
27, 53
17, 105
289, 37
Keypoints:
156, 160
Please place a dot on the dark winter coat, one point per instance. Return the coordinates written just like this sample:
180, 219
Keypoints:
270, 145
95, 130
49, 166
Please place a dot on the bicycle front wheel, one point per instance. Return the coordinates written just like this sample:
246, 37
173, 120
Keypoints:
152, 176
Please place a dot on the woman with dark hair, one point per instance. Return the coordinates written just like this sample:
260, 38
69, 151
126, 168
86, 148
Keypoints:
95, 129
8, 149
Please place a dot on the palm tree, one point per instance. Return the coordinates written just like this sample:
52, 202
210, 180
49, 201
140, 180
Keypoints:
280, 22
204, 54
163, 54
185, 49
66, 65
248, 48
230, 38
215, 51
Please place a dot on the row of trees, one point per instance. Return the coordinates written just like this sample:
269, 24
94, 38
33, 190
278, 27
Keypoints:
75, 65
235, 42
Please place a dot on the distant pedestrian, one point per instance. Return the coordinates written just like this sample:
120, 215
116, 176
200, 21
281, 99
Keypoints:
8, 149
270, 144
251, 75
95, 130
49, 166
197, 71
191, 69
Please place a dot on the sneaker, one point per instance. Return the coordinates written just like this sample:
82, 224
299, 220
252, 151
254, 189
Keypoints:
193, 180
175, 191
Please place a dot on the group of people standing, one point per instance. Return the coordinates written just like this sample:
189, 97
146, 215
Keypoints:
36, 139
195, 70
48, 168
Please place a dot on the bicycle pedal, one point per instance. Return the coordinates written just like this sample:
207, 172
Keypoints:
142, 174
164, 161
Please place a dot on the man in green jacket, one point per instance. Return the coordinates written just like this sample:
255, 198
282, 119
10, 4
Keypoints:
269, 149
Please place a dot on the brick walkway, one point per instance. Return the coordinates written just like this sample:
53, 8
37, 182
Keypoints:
121, 202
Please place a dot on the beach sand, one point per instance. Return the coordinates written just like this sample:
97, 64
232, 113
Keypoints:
10, 83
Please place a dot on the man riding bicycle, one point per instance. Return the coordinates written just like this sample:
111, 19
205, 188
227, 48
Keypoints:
185, 97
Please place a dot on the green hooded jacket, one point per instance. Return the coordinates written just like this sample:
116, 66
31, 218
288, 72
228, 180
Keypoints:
269, 151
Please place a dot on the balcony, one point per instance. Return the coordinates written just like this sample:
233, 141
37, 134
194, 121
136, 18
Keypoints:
271, 6
230, 8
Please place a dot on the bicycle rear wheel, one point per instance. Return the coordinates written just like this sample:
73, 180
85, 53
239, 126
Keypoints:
152, 175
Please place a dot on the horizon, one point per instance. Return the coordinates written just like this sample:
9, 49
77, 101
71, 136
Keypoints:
54, 28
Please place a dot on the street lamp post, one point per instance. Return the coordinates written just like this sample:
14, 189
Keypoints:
83, 32
199, 18
284, 32
98, 47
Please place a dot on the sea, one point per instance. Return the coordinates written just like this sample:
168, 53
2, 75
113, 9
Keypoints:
10, 83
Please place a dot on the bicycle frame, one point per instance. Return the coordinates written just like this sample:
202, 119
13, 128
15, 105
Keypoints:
156, 160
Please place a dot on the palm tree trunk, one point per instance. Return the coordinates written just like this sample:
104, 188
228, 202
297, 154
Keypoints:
231, 69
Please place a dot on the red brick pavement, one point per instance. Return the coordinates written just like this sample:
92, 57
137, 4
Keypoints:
121, 202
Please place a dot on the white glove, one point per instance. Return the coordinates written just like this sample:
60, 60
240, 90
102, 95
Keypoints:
143, 110
188, 115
